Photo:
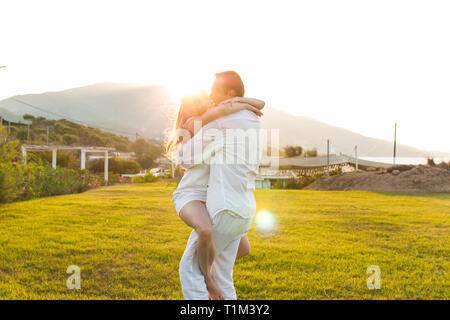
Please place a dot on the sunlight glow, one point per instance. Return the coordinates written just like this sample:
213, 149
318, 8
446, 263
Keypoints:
265, 221
329, 60
192, 83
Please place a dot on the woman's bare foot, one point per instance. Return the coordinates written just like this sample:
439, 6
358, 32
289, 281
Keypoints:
214, 291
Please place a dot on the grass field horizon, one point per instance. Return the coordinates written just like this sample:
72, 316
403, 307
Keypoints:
128, 240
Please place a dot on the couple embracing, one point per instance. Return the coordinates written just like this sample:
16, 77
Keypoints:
217, 140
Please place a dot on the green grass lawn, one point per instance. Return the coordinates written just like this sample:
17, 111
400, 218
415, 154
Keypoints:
128, 241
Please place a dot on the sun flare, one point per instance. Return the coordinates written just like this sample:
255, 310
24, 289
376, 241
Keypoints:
187, 85
265, 221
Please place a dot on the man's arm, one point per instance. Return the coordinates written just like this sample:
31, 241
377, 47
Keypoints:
200, 148
225, 108
259, 104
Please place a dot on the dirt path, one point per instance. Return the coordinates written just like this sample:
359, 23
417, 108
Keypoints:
418, 179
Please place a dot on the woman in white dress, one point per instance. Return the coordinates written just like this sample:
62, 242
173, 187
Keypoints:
190, 196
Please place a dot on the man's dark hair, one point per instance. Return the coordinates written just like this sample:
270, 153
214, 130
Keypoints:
232, 81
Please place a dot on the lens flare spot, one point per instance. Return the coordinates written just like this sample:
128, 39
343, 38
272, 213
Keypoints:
265, 221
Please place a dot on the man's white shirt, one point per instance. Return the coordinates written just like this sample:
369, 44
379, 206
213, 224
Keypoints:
232, 147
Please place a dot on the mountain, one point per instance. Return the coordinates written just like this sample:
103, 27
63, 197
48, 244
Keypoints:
119, 108
6, 114
310, 133
127, 109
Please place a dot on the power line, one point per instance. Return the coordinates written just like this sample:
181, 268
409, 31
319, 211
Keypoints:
71, 119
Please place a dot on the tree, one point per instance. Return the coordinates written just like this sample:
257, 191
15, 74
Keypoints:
298, 150
311, 153
21, 133
292, 151
28, 117
70, 139
146, 151
116, 165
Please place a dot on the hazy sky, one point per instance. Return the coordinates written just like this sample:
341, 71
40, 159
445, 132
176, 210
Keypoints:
362, 65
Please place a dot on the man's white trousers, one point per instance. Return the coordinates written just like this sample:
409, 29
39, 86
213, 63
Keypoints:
228, 229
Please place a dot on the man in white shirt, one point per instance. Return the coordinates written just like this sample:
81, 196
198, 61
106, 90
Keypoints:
232, 147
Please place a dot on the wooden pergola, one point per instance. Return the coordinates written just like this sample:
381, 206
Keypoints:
42, 148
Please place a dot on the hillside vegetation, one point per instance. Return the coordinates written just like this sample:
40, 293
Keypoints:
63, 132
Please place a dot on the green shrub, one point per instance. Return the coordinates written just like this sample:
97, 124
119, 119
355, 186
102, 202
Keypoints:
24, 182
116, 165
8, 160
7, 184
336, 172
114, 178
147, 178
301, 182
64, 159
9, 151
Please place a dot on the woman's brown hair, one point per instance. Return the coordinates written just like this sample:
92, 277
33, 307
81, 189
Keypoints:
191, 106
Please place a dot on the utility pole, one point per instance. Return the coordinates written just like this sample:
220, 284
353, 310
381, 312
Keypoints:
28, 134
395, 142
328, 157
356, 157
47, 135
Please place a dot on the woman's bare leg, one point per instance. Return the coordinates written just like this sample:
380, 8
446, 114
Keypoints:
243, 250
244, 247
194, 214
